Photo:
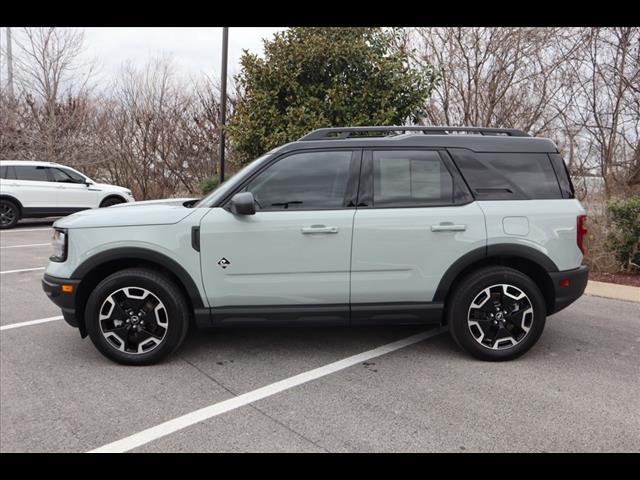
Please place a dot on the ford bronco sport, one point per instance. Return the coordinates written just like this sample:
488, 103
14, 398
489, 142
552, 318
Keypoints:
475, 228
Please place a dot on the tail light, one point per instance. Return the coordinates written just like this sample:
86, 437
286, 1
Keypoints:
581, 232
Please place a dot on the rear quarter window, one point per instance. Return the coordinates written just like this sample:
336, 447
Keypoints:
8, 172
562, 172
508, 176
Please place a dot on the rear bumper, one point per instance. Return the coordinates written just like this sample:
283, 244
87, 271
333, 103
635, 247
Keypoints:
568, 286
52, 286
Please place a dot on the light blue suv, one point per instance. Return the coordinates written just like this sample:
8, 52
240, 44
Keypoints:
473, 227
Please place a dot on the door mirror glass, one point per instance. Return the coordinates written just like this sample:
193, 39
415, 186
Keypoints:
243, 204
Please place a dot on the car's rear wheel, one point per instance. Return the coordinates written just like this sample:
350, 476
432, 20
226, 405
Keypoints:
496, 313
9, 214
136, 316
107, 202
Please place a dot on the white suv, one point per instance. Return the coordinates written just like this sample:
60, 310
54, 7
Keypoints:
44, 189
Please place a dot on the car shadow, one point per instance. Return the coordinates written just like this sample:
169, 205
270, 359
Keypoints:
293, 341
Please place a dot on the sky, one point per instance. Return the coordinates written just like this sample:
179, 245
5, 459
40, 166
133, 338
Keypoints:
194, 50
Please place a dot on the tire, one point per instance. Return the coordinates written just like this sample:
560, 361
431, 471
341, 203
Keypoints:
9, 214
476, 317
119, 332
107, 202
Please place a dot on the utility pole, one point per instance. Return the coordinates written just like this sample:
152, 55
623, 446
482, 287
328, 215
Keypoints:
223, 97
9, 64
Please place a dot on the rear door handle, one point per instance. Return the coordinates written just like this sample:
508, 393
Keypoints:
448, 227
319, 229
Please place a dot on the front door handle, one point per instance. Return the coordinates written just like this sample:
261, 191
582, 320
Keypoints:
319, 229
448, 227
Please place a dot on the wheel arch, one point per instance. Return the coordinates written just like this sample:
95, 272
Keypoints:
112, 195
95, 269
527, 260
13, 199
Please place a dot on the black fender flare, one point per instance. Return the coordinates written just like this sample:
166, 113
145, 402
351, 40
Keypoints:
498, 250
139, 253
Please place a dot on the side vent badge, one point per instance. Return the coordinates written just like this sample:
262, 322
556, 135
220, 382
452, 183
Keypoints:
224, 263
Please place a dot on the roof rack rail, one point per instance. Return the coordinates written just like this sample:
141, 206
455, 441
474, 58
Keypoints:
346, 132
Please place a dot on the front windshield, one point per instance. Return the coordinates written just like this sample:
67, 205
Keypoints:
231, 183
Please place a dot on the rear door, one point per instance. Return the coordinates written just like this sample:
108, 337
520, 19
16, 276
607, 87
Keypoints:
34, 189
415, 218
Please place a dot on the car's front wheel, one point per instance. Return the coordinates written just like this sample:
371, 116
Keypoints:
496, 313
9, 214
108, 202
136, 316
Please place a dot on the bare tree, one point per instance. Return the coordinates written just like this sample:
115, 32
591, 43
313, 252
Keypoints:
49, 117
496, 77
49, 65
578, 86
608, 69
158, 134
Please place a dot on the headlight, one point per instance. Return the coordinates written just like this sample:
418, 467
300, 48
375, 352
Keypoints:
60, 243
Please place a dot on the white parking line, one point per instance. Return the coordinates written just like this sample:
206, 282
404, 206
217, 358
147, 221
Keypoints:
29, 245
23, 270
17, 230
171, 426
30, 322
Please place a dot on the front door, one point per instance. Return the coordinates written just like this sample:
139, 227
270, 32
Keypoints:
72, 191
296, 250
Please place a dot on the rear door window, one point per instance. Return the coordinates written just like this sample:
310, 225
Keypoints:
410, 178
32, 173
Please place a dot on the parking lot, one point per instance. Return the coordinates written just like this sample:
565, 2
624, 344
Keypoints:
578, 389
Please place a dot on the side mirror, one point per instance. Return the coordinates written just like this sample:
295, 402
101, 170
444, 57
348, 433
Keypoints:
88, 183
243, 204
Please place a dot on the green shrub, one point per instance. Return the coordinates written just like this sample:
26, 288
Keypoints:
312, 77
209, 184
624, 237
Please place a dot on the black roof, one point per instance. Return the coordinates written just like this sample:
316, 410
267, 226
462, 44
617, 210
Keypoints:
476, 139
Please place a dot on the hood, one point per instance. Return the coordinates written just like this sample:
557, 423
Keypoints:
164, 201
129, 214
110, 187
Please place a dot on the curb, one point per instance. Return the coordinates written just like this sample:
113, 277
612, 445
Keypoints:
613, 290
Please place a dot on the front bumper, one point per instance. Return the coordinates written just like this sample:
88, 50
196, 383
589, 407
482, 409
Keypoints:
52, 286
568, 286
